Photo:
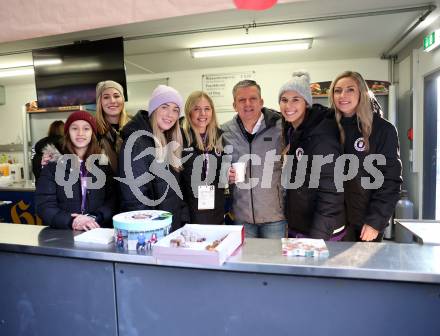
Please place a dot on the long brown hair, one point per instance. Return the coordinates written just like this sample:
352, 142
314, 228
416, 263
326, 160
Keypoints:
56, 128
213, 136
364, 112
92, 148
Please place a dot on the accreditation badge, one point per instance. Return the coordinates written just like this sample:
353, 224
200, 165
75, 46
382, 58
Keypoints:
206, 199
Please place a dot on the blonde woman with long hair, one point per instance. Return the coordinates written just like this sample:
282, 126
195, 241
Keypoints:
111, 117
201, 171
154, 157
363, 131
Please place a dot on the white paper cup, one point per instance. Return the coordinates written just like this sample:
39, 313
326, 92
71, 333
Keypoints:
240, 171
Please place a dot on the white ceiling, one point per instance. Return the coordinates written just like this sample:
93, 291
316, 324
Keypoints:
339, 38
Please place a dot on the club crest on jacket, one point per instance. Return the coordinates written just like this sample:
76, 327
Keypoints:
359, 144
299, 153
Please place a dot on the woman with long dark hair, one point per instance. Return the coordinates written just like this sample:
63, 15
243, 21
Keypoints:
314, 208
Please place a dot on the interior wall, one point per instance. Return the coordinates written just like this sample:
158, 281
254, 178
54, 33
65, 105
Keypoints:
404, 123
270, 77
11, 112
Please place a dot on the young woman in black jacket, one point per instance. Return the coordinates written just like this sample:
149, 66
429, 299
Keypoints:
150, 158
363, 131
202, 154
76, 191
314, 206
111, 117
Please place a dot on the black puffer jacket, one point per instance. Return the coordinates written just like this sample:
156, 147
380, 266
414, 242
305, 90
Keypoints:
314, 211
216, 215
158, 186
372, 206
55, 208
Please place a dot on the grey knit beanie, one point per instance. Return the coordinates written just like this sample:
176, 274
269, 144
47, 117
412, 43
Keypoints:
300, 83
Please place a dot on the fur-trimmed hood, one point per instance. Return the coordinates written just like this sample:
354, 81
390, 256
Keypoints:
51, 152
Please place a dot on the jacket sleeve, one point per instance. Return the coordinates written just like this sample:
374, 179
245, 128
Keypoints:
383, 200
329, 203
46, 200
104, 213
36, 165
129, 201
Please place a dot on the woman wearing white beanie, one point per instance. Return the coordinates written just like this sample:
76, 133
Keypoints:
315, 208
150, 157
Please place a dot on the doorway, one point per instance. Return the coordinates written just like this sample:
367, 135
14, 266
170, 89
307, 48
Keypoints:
431, 148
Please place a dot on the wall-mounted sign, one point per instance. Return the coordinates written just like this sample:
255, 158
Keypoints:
219, 87
431, 41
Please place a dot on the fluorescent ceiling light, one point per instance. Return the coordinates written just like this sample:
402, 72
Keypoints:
22, 64
53, 61
16, 72
15, 64
252, 48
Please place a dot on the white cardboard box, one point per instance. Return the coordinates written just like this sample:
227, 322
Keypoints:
196, 253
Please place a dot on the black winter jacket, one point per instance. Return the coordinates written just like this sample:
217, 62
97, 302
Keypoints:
314, 211
216, 215
372, 206
55, 208
153, 187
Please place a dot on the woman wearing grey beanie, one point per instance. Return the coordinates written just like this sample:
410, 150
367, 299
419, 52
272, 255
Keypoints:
314, 208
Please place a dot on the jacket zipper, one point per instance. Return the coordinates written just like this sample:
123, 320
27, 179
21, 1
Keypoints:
250, 176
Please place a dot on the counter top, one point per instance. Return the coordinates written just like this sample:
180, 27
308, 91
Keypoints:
376, 261
426, 231
25, 185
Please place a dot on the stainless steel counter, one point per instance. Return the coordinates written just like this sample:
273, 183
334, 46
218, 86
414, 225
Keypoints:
424, 231
374, 261
25, 185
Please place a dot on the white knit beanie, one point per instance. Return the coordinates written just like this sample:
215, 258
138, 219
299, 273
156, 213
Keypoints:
300, 83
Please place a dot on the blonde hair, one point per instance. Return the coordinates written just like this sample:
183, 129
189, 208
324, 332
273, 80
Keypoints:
364, 112
214, 138
161, 139
102, 124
